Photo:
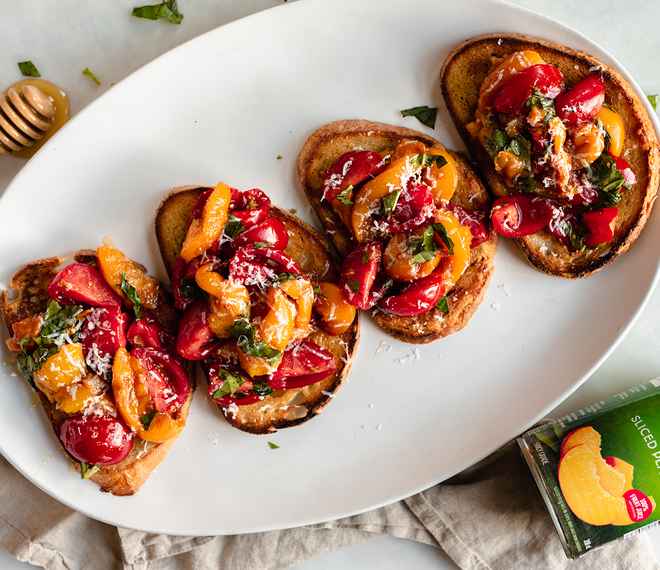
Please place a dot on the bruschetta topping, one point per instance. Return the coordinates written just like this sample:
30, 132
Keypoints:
559, 145
249, 309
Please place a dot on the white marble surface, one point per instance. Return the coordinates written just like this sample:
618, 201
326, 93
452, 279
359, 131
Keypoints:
62, 39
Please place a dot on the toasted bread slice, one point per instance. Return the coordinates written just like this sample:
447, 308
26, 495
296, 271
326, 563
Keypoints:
29, 286
462, 74
326, 145
283, 408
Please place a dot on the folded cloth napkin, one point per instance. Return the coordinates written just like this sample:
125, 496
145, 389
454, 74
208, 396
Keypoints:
489, 517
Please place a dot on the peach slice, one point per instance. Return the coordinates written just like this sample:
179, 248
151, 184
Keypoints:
581, 487
611, 480
624, 468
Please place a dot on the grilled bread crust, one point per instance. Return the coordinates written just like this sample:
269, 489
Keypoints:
461, 77
326, 145
282, 408
29, 285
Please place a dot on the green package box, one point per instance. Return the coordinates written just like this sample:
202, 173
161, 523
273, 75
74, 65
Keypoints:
598, 469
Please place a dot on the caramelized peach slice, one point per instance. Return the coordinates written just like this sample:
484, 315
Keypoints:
336, 313
62, 369
205, 230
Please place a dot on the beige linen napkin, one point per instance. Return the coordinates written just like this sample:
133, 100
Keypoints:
489, 517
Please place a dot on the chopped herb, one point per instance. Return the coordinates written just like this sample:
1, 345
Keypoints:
443, 305
293, 210
426, 249
146, 420
653, 99
522, 148
389, 203
87, 470
353, 284
232, 382
167, 9
428, 160
88, 73
318, 291
234, 227
441, 231
424, 114
366, 258
131, 294
537, 98
571, 234
245, 333
189, 288
284, 276
28, 69
497, 144
261, 244
261, 388
604, 174
526, 184
342, 196
272, 445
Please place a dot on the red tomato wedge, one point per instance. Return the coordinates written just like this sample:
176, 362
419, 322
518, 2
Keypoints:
582, 103
512, 99
103, 333
302, 364
81, 283
351, 169
195, 339
520, 215
358, 273
166, 380
601, 224
417, 298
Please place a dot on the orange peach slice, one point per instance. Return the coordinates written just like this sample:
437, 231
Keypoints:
581, 487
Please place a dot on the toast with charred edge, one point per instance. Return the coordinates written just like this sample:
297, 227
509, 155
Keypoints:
331, 141
282, 408
461, 77
30, 298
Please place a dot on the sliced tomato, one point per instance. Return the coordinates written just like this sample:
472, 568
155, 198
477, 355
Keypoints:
565, 223
251, 207
351, 169
520, 215
96, 440
271, 231
102, 334
149, 333
195, 339
81, 283
582, 103
417, 298
471, 220
303, 364
512, 99
217, 375
166, 380
252, 265
358, 273
413, 208
601, 224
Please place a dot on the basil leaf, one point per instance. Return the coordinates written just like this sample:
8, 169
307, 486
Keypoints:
522, 148
167, 9
146, 420
28, 69
234, 227
499, 143
342, 196
245, 335
604, 174
537, 98
88, 73
189, 288
389, 202
443, 305
427, 160
526, 184
284, 276
353, 284
60, 324
87, 470
131, 294
422, 257
261, 244
232, 382
424, 114
439, 229
653, 99
272, 445
261, 388
318, 291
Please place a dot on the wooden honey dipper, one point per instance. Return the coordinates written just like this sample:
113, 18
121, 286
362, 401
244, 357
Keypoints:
25, 116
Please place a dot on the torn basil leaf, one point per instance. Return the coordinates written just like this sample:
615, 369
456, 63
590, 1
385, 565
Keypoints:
87, 470
424, 114
146, 420
28, 69
389, 203
131, 294
234, 227
232, 382
272, 445
653, 99
443, 305
167, 9
342, 196
245, 335
353, 284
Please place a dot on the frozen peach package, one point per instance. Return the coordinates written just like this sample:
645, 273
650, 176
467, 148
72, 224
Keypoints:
598, 469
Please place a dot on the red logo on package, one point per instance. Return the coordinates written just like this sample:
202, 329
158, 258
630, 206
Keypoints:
638, 504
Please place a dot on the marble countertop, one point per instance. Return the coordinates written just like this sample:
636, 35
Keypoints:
113, 46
